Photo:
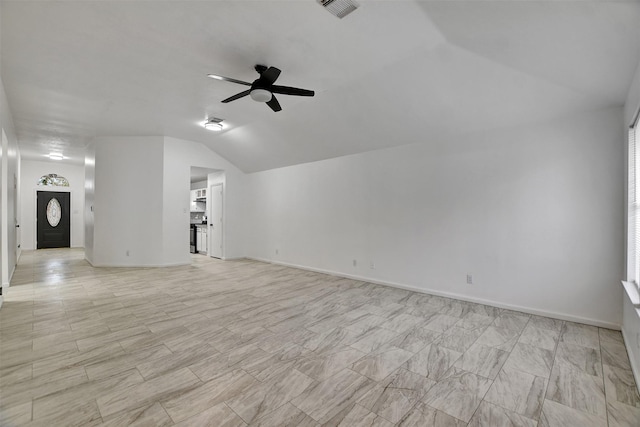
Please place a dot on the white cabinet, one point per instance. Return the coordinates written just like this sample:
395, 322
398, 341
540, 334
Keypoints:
201, 239
198, 205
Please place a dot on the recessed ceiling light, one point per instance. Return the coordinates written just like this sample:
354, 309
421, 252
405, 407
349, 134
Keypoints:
56, 156
213, 124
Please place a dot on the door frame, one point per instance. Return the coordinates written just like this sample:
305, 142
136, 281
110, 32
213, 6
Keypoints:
209, 217
51, 189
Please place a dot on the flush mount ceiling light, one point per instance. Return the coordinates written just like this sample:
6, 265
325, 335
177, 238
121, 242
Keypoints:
213, 124
56, 156
261, 95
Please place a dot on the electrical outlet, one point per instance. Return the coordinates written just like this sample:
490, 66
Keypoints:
469, 279
277, 251
372, 266
127, 252
355, 263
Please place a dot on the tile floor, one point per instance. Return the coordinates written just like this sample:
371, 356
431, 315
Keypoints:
241, 343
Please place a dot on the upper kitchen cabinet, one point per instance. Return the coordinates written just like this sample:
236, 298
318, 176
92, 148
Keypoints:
198, 200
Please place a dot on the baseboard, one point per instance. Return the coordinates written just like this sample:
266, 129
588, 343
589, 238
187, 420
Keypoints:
177, 264
528, 310
634, 368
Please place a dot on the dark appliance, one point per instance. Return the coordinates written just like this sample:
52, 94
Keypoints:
193, 241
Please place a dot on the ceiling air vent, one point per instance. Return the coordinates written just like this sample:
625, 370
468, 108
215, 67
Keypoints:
339, 8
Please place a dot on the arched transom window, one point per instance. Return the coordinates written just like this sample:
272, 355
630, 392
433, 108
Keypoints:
53, 180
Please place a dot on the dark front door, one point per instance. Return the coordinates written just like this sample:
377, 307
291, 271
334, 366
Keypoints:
54, 220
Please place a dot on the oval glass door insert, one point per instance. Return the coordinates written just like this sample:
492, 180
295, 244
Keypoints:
54, 212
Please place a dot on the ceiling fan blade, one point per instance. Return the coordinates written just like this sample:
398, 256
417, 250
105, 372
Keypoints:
270, 75
237, 96
274, 104
228, 79
286, 90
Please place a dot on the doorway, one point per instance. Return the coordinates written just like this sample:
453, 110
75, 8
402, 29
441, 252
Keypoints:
53, 219
215, 220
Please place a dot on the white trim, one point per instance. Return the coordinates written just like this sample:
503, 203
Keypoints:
35, 210
177, 264
538, 312
634, 368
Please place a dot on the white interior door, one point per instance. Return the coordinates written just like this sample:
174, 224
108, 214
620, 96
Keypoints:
215, 221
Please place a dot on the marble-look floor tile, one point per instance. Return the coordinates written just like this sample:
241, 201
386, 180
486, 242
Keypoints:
583, 359
440, 322
73, 413
323, 366
323, 400
556, 415
358, 416
268, 396
202, 396
513, 321
161, 387
620, 386
433, 361
610, 336
123, 362
475, 321
74, 335
577, 390
176, 360
145, 416
223, 363
56, 405
615, 354
15, 415
534, 360
458, 394
579, 334
382, 362
482, 360
217, 416
285, 416
422, 415
546, 323
415, 340
17, 373
42, 385
519, 392
500, 338
538, 337
621, 415
402, 322
329, 340
396, 395
488, 415
458, 339
373, 339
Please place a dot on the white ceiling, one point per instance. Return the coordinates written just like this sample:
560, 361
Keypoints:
391, 73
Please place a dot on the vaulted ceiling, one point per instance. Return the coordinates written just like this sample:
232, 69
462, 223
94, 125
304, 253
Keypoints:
390, 73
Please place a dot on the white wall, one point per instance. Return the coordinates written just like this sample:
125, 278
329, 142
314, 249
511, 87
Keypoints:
30, 173
534, 213
128, 203
631, 315
179, 156
9, 192
89, 199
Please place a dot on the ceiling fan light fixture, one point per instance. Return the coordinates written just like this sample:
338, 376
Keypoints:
261, 95
213, 124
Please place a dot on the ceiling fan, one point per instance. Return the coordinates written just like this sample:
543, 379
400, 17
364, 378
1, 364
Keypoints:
262, 89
